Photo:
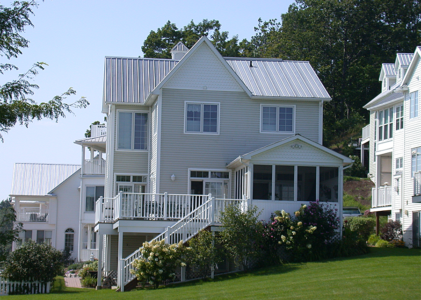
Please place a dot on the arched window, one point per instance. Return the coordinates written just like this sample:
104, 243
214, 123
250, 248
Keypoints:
69, 239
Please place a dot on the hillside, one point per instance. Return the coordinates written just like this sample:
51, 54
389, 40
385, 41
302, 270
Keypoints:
357, 192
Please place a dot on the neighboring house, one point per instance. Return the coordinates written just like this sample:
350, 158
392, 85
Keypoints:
189, 135
46, 200
395, 146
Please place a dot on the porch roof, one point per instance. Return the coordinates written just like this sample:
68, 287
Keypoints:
99, 143
296, 138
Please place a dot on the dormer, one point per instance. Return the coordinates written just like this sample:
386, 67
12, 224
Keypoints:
387, 76
178, 51
401, 64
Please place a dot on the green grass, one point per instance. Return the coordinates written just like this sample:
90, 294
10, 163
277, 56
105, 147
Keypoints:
389, 273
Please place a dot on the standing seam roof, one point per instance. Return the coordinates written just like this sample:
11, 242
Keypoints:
404, 58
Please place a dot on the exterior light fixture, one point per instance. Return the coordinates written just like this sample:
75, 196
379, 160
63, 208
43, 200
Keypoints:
172, 177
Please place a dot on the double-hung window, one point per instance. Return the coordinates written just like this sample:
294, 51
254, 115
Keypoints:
132, 131
399, 117
399, 163
416, 160
275, 118
202, 118
92, 194
385, 124
413, 105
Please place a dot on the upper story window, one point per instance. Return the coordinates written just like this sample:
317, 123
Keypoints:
201, 118
399, 163
399, 117
275, 118
385, 124
92, 194
131, 183
132, 131
416, 160
413, 105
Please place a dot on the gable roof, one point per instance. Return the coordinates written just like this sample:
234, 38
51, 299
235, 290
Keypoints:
387, 70
138, 80
403, 59
249, 155
35, 179
180, 47
416, 56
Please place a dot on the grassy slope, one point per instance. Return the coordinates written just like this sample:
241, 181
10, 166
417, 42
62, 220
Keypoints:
389, 273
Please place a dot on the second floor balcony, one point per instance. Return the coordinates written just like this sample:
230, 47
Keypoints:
365, 133
94, 166
31, 217
381, 197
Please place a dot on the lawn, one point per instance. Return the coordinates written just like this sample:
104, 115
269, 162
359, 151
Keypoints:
387, 273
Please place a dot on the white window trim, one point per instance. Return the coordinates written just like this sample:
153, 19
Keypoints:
132, 138
391, 122
189, 178
277, 119
418, 106
401, 163
218, 104
155, 119
396, 117
131, 180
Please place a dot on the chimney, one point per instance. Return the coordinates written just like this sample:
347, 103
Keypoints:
178, 51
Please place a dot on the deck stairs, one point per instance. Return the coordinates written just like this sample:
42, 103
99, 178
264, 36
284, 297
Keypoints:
203, 216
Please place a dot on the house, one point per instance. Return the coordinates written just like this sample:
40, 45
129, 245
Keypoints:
394, 145
189, 135
46, 199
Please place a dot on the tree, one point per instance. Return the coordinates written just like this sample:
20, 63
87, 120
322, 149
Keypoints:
159, 43
346, 42
9, 231
34, 261
16, 105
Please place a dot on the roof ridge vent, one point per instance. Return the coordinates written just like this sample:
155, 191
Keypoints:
178, 51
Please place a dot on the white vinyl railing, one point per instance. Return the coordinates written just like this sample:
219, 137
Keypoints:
31, 217
366, 132
417, 184
25, 287
94, 166
146, 206
381, 196
98, 130
207, 214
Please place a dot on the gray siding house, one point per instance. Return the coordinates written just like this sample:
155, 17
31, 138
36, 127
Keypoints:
189, 135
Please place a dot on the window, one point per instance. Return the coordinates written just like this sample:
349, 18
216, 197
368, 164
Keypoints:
132, 131
413, 105
399, 163
399, 117
28, 235
385, 124
92, 194
44, 236
210, 182
131, 183
202, 118
277, 119
416, 160
68, 239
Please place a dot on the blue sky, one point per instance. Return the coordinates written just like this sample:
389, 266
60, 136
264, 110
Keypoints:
74, 36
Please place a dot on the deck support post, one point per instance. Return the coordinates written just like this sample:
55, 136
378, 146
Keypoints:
377, 222
120, 277
213, 248
100, 259
183, 274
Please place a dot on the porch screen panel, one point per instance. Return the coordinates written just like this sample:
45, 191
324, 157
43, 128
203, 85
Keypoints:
307, 184
262, 182
284, 185
124, 130
328, 184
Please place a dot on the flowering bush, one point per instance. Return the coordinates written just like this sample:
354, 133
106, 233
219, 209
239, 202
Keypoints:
391, 231
158, 262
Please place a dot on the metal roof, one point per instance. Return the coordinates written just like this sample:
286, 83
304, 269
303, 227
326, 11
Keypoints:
33, 179
180, 47
387, 97
95, 140
404, 59
130, 80
278, 78
389, 69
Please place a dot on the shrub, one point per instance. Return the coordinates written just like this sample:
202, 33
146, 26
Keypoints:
363, 226
242, 235
33, 262
373, 239
398, 243
205, 252
91, 267
66, 257
89, 281
158, 262
58, 285
383, 244
351, 244
76, 266
391, 231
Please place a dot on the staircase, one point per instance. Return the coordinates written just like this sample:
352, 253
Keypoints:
205, 215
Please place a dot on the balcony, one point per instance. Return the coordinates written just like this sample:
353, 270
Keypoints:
381, 197
144, 206
98, 130
94, 166
365, 134
31, 217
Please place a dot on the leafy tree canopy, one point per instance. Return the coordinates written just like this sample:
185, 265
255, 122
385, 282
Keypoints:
8, 231
16, 105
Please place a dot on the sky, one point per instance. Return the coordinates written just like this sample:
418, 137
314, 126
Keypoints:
74, 36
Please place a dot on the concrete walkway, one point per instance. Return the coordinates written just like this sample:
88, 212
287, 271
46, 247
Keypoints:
72, 282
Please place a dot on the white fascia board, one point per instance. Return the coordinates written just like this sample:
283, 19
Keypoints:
186, 57
291, 98
411, 67
387, 104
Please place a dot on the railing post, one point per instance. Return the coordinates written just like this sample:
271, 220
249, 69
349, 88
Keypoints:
167, 235
120, 204
212, 210
165, 205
